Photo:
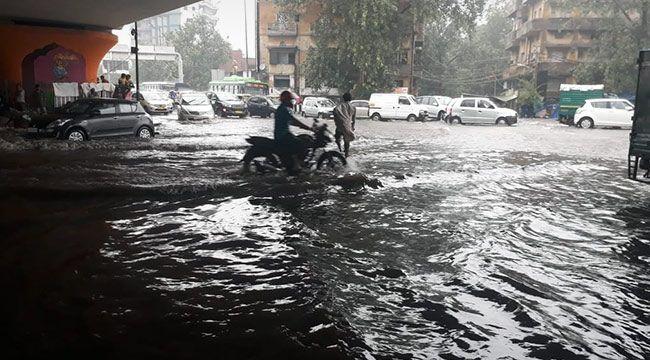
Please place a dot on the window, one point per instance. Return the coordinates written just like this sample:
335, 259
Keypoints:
432, 101
105, 108
281, 81
283, 57
126, 108
404, 101
599, 105
485, 105
621, 105
468, 103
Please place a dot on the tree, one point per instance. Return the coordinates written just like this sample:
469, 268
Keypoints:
201, 48
625, 31
466, 60
153, 70
358, 42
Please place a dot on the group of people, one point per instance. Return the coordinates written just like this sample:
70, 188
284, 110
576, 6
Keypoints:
124, 87
344, 118
37, 101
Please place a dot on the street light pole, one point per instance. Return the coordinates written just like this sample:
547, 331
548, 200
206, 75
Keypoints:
134, 50
246, 35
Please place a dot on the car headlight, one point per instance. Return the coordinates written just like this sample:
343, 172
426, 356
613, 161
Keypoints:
57, 123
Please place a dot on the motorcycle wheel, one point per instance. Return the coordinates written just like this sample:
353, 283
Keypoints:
264, 159
332, 160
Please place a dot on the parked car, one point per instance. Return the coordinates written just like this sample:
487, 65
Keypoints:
318, 107
194, 106
480, 111
87, 119
435, 109
361, 108
227, 104
396, 106
261, 106
155, 102
604, 112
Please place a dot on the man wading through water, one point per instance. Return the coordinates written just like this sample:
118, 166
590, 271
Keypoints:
344, 118
291, 148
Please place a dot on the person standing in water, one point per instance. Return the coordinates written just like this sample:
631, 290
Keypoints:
345, 118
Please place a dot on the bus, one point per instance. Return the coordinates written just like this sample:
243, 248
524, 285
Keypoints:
239, 85
639, 154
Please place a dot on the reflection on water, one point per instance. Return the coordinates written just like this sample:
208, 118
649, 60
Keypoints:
480, 251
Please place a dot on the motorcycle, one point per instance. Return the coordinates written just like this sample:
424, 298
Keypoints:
266, 156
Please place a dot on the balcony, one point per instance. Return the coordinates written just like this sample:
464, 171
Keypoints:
511, 42
283, 29
558, 24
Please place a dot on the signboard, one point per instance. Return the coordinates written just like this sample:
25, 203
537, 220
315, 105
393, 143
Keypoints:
639, 155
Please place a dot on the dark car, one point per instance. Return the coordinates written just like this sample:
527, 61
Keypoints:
227, 104
87, 119
261, 106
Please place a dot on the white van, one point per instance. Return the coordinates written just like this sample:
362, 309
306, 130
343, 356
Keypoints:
396, 106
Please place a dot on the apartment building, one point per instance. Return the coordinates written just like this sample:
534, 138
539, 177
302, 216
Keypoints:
153, 31
547, 42
286, 36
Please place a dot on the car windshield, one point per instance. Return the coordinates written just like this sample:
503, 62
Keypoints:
325, 103
195, 100
275, 102
227, 97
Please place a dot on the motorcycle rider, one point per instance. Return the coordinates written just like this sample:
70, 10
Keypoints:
289, 146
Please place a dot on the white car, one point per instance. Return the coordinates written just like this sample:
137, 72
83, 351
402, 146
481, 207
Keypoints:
318, 107
434, 107
480, 111
396, 106
195, 106
604, 112
361, 108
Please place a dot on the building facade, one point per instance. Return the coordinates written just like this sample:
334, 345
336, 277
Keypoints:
547, 43
286, 36
153, 31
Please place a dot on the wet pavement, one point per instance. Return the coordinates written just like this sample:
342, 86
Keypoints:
485, 242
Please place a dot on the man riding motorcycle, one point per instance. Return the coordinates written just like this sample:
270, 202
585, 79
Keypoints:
290, 147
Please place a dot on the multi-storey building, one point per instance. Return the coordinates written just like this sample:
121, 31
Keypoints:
547, 43
153, 30
285, 37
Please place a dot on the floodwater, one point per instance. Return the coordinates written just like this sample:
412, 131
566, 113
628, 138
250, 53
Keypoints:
521, 242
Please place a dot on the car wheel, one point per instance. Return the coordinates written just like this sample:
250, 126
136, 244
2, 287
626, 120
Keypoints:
586, 123
455, 118
76, 135
441, 115
411, 118
144, 132
501, 120
375, 117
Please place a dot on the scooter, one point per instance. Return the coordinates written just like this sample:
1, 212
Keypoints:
266, 156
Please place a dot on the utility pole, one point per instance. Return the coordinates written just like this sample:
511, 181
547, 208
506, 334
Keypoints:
246, 35
135, 50
412, 67
257, 37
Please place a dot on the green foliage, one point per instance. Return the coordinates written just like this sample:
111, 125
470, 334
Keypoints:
151, 70
528, 93
466, 61
202, 48
625, 31
357, 42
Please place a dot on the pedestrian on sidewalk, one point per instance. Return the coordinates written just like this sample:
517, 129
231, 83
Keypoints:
37, 100
345, 118
21, 105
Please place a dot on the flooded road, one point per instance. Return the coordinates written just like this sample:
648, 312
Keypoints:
518, 242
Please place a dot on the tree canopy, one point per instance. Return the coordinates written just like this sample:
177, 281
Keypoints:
202, 48
357, 43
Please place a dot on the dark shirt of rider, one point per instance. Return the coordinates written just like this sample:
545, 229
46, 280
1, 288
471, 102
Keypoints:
283, 118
